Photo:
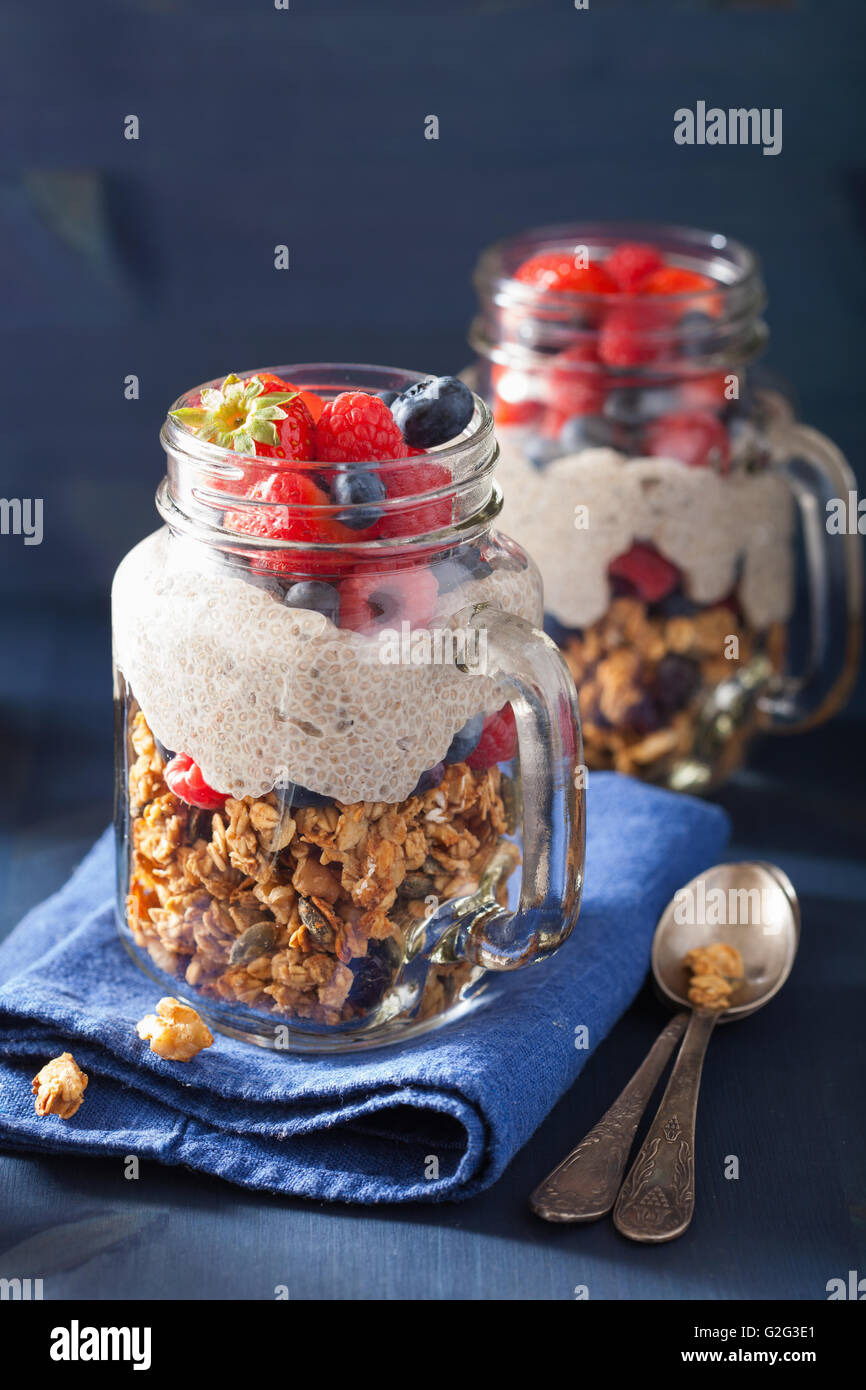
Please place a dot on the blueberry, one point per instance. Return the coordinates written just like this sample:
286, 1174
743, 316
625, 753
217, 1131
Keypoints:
676, 605
465, 740
296, 798
315, 595
431, 778
587, 432
457, 569
358, 489
373, 974
389, 397
644, 716
556, 632
541, 451
631, 405
432, 412
676, 681
696, 328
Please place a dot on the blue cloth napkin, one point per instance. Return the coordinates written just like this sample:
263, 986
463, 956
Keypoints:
362, 1127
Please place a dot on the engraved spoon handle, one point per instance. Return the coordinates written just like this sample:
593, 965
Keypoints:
584, 1185
657, 1199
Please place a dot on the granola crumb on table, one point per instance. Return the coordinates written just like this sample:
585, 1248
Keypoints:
282, 909
175, 1032
59, 1087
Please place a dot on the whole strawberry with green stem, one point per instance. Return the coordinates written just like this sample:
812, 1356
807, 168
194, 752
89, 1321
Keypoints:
253, 416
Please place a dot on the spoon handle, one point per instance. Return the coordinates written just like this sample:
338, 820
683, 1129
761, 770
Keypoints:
584, 1185
657, 1199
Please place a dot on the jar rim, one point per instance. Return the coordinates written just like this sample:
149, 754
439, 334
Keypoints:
207, 484
729, 262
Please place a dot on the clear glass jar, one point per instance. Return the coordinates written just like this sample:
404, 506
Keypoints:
665, 495
338, 871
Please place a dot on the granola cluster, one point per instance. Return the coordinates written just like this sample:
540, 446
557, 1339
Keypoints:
175, 1032
59, 1087
716, 973
305, 913
640, 675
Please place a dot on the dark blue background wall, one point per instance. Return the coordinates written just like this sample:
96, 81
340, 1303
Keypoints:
305, 126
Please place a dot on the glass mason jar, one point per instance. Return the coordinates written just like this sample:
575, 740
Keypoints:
665, 496
372, 784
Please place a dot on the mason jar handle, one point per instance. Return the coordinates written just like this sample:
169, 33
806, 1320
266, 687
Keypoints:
538, 684
818, 473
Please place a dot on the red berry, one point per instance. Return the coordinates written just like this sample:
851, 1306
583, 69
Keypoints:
371, 602
357, 428
315, 404
695, 437
253, 416
514, 412
290, 492
576, 382
498, 741
671, 280
631, 263
652, 575
625, 339
411, 480
558, 271
185, 780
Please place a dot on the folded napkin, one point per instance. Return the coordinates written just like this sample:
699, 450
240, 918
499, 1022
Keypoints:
357, 1127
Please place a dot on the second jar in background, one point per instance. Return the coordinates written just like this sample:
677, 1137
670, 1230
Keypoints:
659, 490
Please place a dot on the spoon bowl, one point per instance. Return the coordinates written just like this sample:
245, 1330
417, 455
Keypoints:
752, 906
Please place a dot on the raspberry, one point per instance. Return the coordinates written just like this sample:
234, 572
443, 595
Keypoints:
652, 576
631, 263
558, 271
624, 339
409, 480
695, 437
498, 741
357, 428
185, 780
371, 602
576, 389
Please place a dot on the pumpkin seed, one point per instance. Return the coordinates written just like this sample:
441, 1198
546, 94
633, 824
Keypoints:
257, 940
415, 886
316, 923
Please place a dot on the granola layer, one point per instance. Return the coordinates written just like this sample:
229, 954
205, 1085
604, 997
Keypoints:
308, 913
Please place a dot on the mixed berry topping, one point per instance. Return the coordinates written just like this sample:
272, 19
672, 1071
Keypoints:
186, 781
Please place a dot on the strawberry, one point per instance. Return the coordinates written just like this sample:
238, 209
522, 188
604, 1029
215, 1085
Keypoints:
631, 263
498, 741
290, 492
357, 428
185, 780
652, 576
514, 412
257, 416
671, 279
559, 271
314, 403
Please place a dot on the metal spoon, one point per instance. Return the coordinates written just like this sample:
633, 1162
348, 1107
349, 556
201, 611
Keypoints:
583, 1187
657, 1199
